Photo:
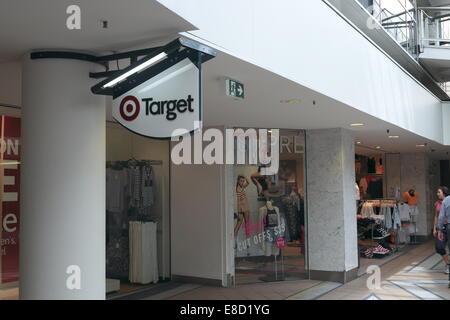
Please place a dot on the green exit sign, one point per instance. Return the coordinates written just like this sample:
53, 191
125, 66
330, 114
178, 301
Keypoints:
235, 89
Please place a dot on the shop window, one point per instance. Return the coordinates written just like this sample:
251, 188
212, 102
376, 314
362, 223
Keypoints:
269, 216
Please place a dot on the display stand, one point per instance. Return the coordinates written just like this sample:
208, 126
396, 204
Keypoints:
274, 276
415, 234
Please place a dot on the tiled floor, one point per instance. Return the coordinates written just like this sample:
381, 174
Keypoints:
9, 294
414, 275
417, 274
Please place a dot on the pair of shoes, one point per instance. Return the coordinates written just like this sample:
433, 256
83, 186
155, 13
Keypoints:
380, 250
447, 269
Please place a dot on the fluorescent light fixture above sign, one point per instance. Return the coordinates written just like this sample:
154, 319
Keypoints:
155, 61
136, 69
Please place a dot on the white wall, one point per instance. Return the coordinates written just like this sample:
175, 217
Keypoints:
446, 122
309, 43
197, 234
11, 83
199, 222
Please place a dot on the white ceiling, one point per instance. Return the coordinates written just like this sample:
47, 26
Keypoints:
41, 24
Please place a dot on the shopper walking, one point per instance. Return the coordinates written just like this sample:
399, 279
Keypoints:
442, 225
442, 193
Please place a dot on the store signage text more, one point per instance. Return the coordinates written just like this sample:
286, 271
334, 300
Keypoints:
159, 106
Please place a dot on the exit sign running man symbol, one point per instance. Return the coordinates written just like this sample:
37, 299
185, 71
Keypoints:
235, 89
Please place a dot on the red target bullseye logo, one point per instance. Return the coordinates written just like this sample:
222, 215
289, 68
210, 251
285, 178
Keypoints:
129, 108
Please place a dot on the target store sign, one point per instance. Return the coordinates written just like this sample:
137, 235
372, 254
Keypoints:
163, 104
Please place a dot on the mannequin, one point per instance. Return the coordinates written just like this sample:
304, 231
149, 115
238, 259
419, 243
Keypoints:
412, 199
272, 227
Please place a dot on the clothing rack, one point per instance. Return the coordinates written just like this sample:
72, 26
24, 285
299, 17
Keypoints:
156, 216
383, 202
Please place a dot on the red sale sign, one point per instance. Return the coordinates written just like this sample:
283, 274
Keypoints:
281, 243
9, 197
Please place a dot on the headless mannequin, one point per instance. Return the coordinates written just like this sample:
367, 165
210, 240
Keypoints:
269, 246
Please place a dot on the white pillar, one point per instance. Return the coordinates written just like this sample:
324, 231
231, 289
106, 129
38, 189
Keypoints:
331, 199
62, 181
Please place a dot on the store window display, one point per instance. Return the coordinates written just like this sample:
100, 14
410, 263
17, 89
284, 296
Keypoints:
271, 246
137, 215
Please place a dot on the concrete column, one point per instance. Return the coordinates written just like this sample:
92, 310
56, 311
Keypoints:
331, 199
63, 182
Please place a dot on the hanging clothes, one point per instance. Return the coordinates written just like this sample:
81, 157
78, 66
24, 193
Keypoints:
116, 182
405, 214
367, 210
292, 218
396, 221
147, 187
386, 211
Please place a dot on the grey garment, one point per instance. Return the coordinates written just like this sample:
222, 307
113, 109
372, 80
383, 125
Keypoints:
116, 181
387, 213
397, 223
147, 187
134, 187
444, 215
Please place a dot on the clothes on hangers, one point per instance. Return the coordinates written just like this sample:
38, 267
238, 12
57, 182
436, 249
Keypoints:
147, 187
386, 211
396, 221
129, 196
405, 213
116, 182
367, 210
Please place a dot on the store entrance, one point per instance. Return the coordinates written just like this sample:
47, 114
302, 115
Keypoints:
269, 218
381, 230
137, 211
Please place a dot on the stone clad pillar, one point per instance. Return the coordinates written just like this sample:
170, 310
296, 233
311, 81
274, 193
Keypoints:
331, 200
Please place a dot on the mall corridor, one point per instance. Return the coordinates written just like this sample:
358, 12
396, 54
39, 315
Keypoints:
417, 274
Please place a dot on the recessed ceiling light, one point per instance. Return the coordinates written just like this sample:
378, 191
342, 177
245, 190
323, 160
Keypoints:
357, 124
394, 137
378, 147
290, 101
420, 145
358, 142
